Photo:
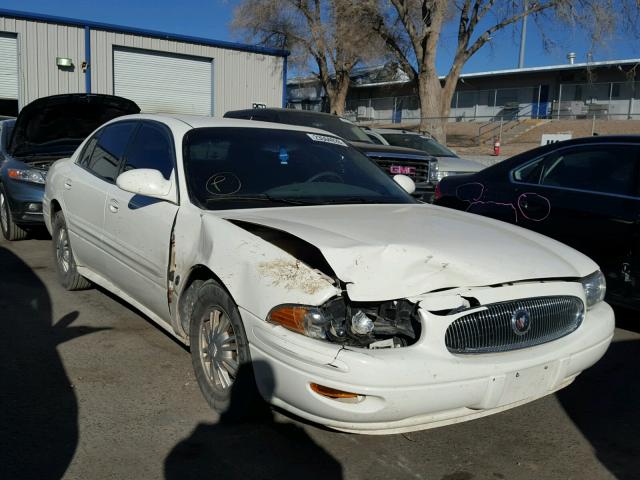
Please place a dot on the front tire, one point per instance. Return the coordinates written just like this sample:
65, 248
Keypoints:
220, 353
10, 230
65, 262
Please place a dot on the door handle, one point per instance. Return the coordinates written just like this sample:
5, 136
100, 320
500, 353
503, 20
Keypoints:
67, 184
113, 206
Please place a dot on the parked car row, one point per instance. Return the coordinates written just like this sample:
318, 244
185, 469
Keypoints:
295, 268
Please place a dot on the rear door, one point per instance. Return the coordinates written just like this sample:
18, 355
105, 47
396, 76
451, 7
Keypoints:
587, 197
85, 192
138, 229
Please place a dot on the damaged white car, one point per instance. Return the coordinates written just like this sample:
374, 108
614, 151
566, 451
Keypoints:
283, 248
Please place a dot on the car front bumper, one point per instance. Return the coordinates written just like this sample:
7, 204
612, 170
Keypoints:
417, 387
25, 202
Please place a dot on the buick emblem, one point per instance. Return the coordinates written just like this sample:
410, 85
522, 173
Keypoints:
520, 321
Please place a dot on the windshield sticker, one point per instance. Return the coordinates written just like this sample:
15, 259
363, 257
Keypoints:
223, 183
283, 156
326, 139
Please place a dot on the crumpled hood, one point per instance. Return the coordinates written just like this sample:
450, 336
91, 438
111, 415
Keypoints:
394, 251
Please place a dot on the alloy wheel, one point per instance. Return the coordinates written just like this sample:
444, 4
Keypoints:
63, 252
4, 213
218, 349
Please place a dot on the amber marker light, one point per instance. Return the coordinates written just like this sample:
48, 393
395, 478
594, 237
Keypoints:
290, 317
332, 392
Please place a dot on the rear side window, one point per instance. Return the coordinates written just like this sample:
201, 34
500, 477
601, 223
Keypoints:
104, 160
598, 168
151, 148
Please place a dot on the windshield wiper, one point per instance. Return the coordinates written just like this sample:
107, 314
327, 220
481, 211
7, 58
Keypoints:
351, 200
263, 197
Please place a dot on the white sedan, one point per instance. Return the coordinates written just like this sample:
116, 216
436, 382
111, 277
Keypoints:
283, 253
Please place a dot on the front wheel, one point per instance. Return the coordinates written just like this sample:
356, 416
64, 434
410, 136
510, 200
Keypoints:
220, 353
63, 255
10, 230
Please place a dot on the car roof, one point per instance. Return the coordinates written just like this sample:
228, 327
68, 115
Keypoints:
279, 111
382, 131
196, 121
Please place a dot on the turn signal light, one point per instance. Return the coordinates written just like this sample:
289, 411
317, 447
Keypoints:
332, 392
291, 317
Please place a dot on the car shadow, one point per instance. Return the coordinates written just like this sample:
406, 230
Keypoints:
39, 409
250, 443
603, 404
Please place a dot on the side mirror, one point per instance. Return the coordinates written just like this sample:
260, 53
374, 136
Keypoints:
406, 183
146, 182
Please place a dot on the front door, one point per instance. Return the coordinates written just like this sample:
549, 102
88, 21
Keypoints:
137, 231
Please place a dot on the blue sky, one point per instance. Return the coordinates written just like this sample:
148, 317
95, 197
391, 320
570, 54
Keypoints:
210, 18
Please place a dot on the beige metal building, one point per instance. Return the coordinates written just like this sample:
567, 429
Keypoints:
41, 55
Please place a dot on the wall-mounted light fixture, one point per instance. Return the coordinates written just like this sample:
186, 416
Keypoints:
64, 62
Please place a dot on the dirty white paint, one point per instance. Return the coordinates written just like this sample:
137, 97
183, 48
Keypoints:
379, 252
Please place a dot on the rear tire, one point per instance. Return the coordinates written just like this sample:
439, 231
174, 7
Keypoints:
220, 354
65, 262
10, 230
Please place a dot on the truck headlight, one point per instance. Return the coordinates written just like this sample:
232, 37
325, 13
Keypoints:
442, 174
595, 287
433, 171
30, 175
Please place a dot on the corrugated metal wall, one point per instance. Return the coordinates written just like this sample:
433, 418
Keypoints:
240, 78
39, 44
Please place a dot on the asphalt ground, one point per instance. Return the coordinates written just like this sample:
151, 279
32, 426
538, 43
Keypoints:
91, 389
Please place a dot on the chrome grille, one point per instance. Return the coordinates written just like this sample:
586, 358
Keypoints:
491, 330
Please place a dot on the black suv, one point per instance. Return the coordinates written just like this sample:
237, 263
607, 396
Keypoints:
583, 192
393, 160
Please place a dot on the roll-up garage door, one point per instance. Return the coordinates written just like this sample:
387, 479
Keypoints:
163, 82
8, 67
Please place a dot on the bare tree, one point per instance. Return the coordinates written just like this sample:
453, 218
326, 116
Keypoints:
335, 35
411, 30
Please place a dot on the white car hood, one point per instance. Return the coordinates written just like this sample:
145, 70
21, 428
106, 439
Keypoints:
386, 252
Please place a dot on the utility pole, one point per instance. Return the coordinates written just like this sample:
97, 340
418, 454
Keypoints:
523, 35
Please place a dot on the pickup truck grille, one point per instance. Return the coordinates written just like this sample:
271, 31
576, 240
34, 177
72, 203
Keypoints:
418, 170
503, 326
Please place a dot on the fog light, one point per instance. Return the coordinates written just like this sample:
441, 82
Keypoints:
332, 392
34, 207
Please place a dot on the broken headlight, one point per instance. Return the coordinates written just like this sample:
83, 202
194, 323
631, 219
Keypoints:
381, 325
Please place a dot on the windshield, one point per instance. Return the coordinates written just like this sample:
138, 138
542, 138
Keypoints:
256, 167
419, 142
331, 123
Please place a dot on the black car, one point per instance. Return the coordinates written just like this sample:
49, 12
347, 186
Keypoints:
583, 192
46, 130
393, 160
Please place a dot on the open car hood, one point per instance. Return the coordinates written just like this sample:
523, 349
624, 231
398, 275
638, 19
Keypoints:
56, 125
385, 252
